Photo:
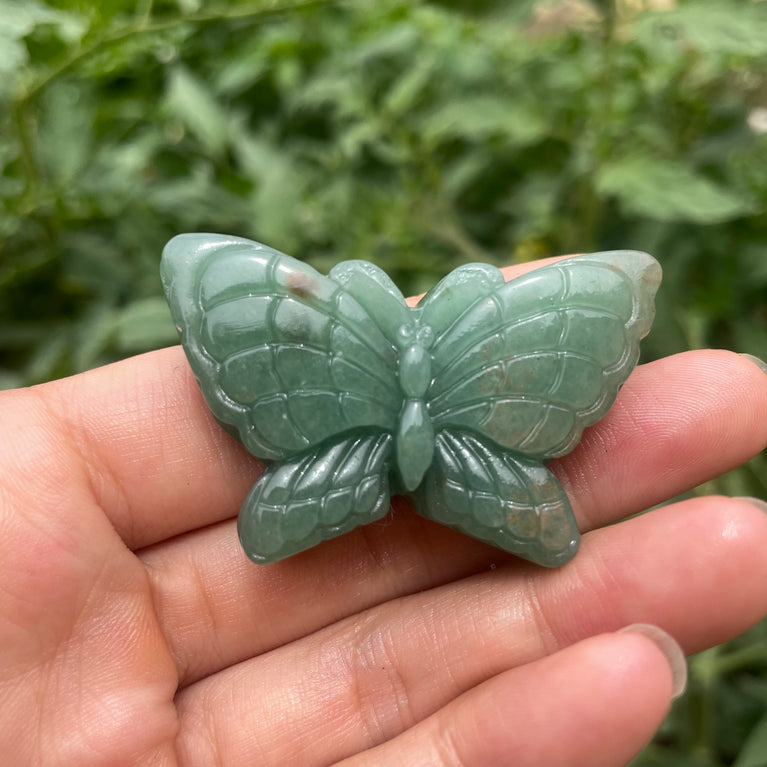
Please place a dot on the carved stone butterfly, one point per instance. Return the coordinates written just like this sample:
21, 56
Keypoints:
353, 396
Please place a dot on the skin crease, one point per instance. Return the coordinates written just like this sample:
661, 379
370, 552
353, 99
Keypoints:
134, 631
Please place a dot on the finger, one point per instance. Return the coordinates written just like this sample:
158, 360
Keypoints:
676, 423
82, 659
218, 608
617, 471
157, 461
160, 465
594, 704
373, 676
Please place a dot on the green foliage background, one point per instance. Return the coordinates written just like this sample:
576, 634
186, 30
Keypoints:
419, 135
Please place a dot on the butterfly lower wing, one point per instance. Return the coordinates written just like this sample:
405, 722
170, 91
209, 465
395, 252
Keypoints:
532, 362
317, 495
499, 497
285, 356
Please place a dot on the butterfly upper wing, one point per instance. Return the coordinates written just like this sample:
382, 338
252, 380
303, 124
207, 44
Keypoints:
376, 294
531, 362
284, 355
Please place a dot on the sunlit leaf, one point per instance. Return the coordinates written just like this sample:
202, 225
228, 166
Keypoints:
18, 18
481, 117
189, 6
668, 191
712, 26
395, 41
191, 100
405, 92
65, 130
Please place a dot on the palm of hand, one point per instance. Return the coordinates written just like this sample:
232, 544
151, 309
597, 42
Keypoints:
135, 632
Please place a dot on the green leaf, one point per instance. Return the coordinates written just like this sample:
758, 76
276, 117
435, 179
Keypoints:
336, 91
189, 6
13, 54
49, 357
10, 379
668, 191
190, 100
145, 324
276, 200
406, 91
65, 130
465, 171
93, 336
712, 27
19, 18
480, 117
398, 40
754, 751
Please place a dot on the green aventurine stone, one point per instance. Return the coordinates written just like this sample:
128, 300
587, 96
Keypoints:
352, 395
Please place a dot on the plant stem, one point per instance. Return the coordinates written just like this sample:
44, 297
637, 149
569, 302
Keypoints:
146, 25
29, 158
706, 668
144, 12
754, 653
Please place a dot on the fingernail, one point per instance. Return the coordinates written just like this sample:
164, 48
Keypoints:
758, 502
670, 648
761, 364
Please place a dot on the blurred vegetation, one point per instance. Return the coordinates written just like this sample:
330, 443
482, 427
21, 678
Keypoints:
419, 135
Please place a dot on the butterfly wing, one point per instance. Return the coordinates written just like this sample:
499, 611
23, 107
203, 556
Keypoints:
376, 294
285, 357
322, 493
531, 362
500, 497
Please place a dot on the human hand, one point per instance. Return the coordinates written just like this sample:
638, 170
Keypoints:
134, 631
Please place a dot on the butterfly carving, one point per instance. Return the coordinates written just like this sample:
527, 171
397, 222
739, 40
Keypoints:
352, 396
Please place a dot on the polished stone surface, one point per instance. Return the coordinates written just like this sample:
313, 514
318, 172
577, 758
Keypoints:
354, 396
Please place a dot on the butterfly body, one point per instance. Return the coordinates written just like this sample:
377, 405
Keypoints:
353, 395
415, 434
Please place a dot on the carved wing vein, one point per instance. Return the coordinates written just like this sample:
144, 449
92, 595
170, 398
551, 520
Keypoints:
506, 327
438, 407
531, 362
328, 308
286, 356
